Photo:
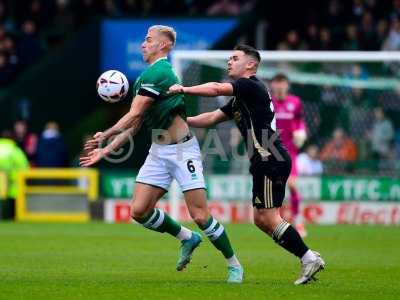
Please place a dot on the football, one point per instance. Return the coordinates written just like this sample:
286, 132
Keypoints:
112, 86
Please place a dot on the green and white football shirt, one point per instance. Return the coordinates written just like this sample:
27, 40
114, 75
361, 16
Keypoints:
154, 82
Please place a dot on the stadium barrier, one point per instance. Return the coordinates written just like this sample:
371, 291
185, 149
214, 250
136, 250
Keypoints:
326, 199
324, 213
56, 194
70, 194
3, 186
238, 187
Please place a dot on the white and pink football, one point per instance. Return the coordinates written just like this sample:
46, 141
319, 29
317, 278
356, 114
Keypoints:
112, 86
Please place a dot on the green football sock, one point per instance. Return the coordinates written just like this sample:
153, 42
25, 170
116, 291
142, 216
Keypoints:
158, 220
218, 237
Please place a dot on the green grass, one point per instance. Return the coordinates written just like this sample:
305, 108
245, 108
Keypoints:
102, 261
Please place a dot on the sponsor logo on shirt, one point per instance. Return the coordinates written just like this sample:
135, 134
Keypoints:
284, 115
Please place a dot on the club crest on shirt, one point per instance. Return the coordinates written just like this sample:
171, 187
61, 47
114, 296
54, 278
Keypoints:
290, 106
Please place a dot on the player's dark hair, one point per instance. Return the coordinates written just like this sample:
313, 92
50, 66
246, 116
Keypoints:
280, 77
250, 51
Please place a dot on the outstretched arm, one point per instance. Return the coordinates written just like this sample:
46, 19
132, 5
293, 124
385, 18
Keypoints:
126, 127
207, 119
209, 89
133, 119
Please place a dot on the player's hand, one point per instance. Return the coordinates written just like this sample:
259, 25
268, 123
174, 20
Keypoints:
175, 89
92, 157
299, 137
94, 142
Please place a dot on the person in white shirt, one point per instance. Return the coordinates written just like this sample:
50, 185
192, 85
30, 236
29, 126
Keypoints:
308, 162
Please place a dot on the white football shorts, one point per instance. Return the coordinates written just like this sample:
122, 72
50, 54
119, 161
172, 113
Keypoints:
180, 161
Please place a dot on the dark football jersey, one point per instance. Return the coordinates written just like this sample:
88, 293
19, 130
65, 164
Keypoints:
253, 112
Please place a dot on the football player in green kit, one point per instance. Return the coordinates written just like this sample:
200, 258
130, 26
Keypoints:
174, 153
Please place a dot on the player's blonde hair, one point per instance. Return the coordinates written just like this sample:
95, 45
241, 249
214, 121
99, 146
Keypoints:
167, 31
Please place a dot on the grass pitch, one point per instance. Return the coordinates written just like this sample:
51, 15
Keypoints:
103, 261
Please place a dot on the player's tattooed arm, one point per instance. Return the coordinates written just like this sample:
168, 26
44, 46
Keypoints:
126, 127
209, 89
207, 119
131, 121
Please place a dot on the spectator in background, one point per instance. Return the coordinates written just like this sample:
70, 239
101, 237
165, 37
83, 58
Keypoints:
392, 42
39, 13
357, 72
3, 11
381, 135
224, 7
308, 162
64, 18
325, 40
292, 42
381, 32
360, 98
396, 10
26, 140
147, 7
110, 8
5, 19
357, 10
370, 5
329, 96
351, 41
52, 151
334, 14
340, 148
12, 160
359, 113
368, 33
312, 38
13, 59
29, 46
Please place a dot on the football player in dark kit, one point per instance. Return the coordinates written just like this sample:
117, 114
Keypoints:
252, 110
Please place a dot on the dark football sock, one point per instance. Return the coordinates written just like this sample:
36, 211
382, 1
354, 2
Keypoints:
287, 237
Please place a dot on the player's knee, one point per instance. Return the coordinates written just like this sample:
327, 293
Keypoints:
200, 218
265, 223
137, 213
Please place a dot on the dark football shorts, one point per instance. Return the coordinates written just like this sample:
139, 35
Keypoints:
269, 181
